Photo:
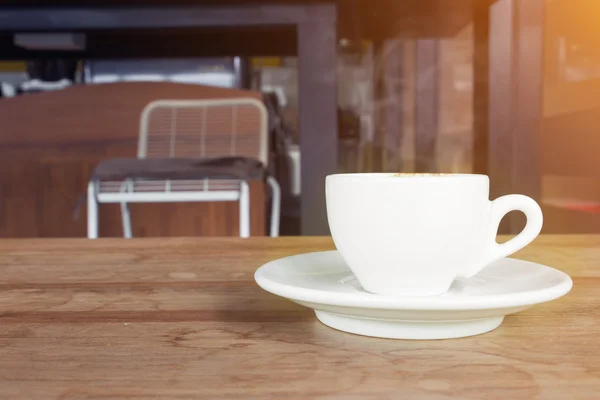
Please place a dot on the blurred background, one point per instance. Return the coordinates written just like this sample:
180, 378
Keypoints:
509, 88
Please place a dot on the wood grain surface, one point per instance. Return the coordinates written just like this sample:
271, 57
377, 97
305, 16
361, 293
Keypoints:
183, 318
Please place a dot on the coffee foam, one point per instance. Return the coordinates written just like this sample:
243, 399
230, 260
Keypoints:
420, 174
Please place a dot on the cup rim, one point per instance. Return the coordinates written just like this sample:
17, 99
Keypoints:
405, 176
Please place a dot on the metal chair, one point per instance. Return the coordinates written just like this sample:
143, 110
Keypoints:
193, 128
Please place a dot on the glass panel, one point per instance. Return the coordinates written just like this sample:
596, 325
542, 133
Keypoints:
407, 104
454, 150
570, 139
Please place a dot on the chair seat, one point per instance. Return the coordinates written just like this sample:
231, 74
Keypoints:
180, 169
161, 186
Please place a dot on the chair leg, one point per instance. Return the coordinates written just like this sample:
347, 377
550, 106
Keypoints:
275, 207
125, 214
92, 211
244, 209
126, 220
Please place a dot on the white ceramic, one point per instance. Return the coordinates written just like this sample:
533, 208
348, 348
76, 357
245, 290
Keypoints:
414, 234
323, 282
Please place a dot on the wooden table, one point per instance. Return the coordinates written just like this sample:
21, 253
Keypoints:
183, 318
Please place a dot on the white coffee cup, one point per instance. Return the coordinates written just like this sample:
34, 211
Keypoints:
414, 234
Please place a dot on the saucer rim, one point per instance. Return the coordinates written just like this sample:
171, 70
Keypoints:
425, 303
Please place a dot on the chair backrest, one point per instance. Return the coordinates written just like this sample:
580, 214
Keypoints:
204, 128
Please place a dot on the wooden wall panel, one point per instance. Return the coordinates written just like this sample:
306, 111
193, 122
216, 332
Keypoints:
50, 143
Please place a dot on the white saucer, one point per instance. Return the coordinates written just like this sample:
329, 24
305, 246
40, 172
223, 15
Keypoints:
323, 282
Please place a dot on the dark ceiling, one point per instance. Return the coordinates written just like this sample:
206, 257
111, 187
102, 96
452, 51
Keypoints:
169, 43
422, 18
357, 20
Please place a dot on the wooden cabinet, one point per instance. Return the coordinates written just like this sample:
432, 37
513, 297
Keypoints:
50, 142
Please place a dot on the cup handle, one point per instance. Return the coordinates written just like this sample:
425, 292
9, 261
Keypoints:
500, 207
